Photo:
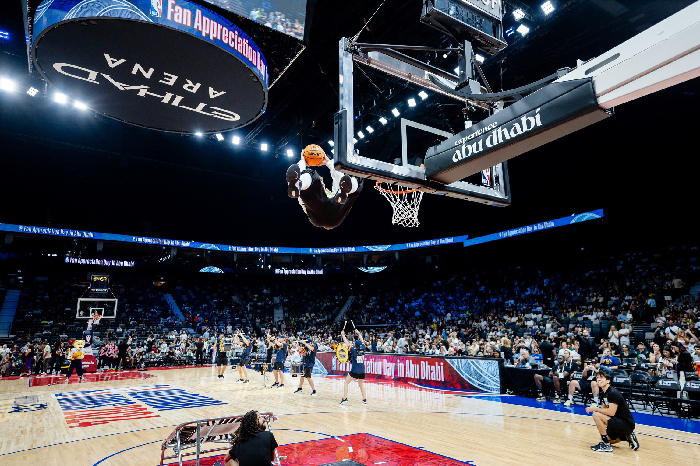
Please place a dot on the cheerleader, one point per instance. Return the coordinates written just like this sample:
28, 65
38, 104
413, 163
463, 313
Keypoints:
308, 351
357, 372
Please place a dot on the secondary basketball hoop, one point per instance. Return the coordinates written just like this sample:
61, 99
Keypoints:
404, 200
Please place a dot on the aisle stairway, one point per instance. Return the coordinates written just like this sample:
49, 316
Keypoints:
695, 291
278, 310
7, 312
174, 307
344, 309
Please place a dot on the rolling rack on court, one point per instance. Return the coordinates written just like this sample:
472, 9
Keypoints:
195, 434
256, 359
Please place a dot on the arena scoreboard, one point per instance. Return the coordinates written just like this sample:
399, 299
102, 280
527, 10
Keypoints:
480, 21
99, 283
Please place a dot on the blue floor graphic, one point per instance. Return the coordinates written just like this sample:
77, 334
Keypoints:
665, 422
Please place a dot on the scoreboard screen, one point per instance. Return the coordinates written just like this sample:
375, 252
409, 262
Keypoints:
480, 21
99, 282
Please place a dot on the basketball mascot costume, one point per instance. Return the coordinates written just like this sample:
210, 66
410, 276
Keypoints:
75, 356
325, 209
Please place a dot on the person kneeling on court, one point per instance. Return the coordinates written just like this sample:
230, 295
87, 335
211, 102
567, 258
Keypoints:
252, 443
614, 419
561, 372
325, 209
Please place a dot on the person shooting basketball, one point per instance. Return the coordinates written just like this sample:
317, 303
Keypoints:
357, 359
325, 209
245, 357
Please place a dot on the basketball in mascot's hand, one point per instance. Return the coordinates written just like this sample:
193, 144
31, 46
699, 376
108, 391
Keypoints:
313, 155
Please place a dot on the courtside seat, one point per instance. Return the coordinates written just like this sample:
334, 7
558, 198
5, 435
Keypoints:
663, 395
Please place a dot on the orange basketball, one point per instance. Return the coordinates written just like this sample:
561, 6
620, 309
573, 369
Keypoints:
313, 155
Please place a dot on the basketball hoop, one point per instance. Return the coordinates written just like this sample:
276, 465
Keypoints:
404, 200
96, 319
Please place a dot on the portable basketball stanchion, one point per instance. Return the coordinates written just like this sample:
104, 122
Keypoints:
404, 201
194, 434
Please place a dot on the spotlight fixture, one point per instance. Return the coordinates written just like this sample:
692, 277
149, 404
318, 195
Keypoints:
60, 98
423, 95
332, 151
370, 130
382, 120
395, 112
219, 137
411, 102
518, 14
79, 105
361, 134
236, 140
4, 35
547, 7
444, 55
290, 153
7, 84
510, 31
457, 71
479, 58
331, 143
198, 134
523, 30
354, 140
32, 91
263, 146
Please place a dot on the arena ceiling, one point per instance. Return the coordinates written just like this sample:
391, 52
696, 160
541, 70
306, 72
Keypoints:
62, 169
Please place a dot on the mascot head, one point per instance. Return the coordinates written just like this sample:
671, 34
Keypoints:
79, 344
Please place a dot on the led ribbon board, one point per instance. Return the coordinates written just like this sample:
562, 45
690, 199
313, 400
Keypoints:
169, 65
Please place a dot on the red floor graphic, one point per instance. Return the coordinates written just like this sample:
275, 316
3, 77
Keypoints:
363, 448
161, 368
41, 380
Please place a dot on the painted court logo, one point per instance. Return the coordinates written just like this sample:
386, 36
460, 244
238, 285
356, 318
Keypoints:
97, 407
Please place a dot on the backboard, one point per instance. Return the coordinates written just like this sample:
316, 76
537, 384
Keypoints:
89, 306
392, 113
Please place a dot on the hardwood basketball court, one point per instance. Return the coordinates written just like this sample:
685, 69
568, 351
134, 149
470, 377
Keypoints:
123, 418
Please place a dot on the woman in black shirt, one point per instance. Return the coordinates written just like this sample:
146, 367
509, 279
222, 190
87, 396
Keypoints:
253, 445
685, 360
58, 358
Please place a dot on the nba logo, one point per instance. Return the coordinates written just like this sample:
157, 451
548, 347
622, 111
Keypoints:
486, 177
156, 8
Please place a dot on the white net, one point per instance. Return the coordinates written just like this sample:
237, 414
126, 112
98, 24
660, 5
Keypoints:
404, 200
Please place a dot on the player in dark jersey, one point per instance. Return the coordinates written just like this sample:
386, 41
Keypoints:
245, 357
280, 356
357, 371
221, 357
309, 363
613, 420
